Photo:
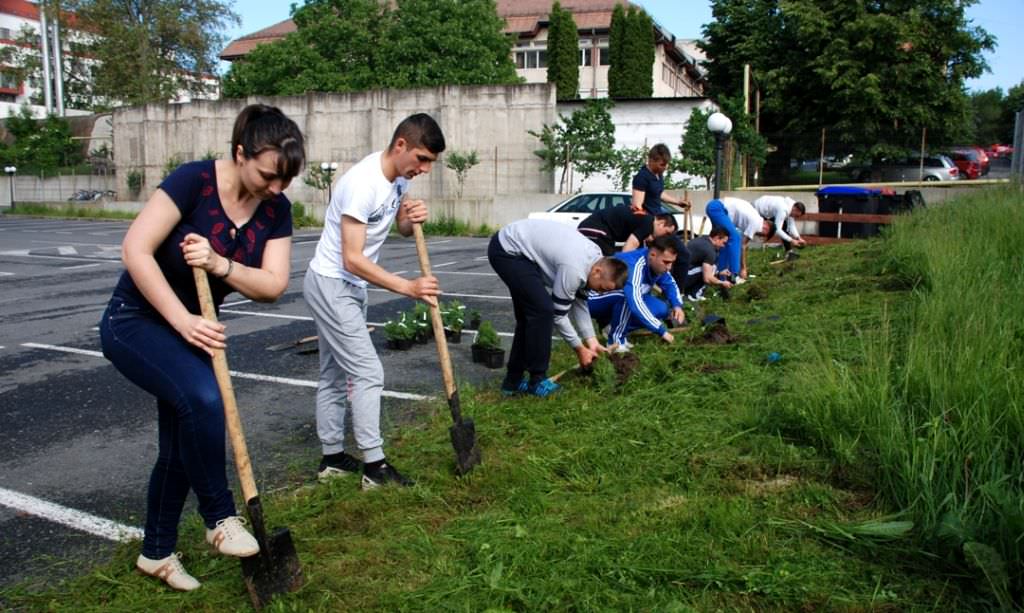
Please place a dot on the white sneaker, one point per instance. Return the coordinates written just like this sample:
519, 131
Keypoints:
232, 539
623, 347
169, 570
739, 281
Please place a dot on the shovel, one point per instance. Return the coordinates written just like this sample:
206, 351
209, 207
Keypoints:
275, 569
463, 431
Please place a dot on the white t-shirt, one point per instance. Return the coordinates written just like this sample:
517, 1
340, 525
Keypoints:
743, 215
777, 209
364, 194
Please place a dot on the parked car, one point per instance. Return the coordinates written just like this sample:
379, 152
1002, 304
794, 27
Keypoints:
999, 151
976, 153
967, 162
936, 168
577, 208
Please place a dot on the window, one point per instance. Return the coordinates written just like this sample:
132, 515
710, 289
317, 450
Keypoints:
8, 81
531, 58
605, 58
586, 58
5, 33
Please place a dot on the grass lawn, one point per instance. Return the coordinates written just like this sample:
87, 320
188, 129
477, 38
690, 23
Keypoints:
710, 478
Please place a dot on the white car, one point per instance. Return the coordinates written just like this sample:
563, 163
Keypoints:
579, 207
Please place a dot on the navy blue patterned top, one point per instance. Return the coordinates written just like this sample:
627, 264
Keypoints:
193, 188
652, 185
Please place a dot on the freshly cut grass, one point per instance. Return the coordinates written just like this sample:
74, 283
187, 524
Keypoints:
712, 478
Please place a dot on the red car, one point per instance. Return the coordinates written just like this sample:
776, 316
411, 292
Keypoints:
967, 162
998, 151
974, 153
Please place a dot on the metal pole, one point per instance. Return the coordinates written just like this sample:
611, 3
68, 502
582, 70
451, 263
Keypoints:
44, 42
821, 159
58, 65
719, 145
1017, 159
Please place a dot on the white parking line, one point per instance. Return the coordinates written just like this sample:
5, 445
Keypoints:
6, 274
234, 373
80, 266
231, 304
445, 264
272, 315
447, 294
72, 518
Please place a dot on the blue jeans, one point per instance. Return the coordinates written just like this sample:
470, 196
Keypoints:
146, 350
729, 255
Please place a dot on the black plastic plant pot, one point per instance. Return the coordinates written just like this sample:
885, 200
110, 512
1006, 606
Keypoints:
478, 353
453, 336
494, 358
423, 337
399, 344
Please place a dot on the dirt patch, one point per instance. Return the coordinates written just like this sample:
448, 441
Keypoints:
717, 335
625, 364
756, 292
771, 486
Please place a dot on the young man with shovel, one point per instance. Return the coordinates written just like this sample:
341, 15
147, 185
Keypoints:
367, 199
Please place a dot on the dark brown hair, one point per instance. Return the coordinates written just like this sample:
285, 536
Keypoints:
259, 128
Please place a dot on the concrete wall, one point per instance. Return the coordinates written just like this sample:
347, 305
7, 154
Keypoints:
56, 189
344, 128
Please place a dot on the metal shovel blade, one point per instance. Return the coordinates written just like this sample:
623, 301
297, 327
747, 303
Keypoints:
467, 454
275, 569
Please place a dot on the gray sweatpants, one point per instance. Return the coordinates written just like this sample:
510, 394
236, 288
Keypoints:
349, 366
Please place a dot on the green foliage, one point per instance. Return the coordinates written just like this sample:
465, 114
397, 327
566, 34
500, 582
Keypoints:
419, 318
460, 162
301, 218
871, 73
39, 146
585, 139
400, 329
631, 54
151, 51
210, 155
67, 212
697, 151
993, 115
446, 225
317, 177
625, 163
352, 45
171, 165
563, 53
486, 336
453, 315
134, 178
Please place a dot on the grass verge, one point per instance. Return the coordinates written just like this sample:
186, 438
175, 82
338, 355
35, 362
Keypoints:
710, 478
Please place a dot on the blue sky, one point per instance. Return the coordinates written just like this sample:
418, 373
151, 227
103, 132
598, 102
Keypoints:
684, 18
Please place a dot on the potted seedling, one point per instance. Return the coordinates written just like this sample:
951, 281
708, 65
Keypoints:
421, 322
398, 333
452, 316
473, 317
487, 347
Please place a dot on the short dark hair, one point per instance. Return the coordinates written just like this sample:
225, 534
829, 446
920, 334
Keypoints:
800, 207
668, 219
419, 130
261, 127
665, 243
771, 230
614, 270
718, 231
659, 152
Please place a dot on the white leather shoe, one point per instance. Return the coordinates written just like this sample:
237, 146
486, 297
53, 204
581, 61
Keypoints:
232, 539
169, 570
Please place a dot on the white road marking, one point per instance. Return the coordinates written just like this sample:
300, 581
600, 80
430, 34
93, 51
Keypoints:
67, 250
234, 373
6, 274
445, 264
439, 242
473, 274
447, 294
80, 266
24, 253
272, 315
231, 304
72, 518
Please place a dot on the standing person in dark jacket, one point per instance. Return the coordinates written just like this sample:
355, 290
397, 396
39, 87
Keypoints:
649, 184
229, 218
618, 224
548, 268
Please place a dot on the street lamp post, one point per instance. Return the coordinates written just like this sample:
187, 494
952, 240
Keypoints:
10, 170
720, 126
329, 169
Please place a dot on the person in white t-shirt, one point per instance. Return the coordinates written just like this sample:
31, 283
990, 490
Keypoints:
743, 223
366, 200
783, 212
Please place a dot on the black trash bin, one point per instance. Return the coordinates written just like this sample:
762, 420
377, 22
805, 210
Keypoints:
843, 199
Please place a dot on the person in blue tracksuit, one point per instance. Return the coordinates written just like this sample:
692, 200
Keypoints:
633, 307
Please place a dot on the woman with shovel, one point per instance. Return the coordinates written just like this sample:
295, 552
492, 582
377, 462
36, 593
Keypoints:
229, 218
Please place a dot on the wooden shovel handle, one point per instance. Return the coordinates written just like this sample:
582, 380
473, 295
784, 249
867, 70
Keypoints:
435, 316
227, 393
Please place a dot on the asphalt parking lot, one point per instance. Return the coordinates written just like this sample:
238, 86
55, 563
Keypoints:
77, 440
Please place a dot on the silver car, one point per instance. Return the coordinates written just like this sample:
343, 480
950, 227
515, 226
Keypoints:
577, 208
936, 168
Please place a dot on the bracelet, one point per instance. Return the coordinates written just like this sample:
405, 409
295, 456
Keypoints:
231, 264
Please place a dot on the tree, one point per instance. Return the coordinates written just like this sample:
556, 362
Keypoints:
151, 50
352, 45
563, 53
584, 140
988, 114
39, 145
616, 51
631, 49
697, 151
460, 162
872, 74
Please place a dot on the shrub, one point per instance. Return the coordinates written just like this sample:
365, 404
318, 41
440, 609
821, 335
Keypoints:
486, 336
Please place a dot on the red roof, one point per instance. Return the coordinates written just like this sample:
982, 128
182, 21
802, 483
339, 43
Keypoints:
241, 46
20, 8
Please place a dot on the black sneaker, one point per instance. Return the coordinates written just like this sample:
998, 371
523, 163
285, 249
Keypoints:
337, 465
377, 474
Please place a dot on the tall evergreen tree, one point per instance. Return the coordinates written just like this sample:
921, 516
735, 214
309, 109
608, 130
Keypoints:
616, 52
563, 53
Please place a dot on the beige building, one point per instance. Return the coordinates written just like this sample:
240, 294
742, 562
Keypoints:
676, 73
